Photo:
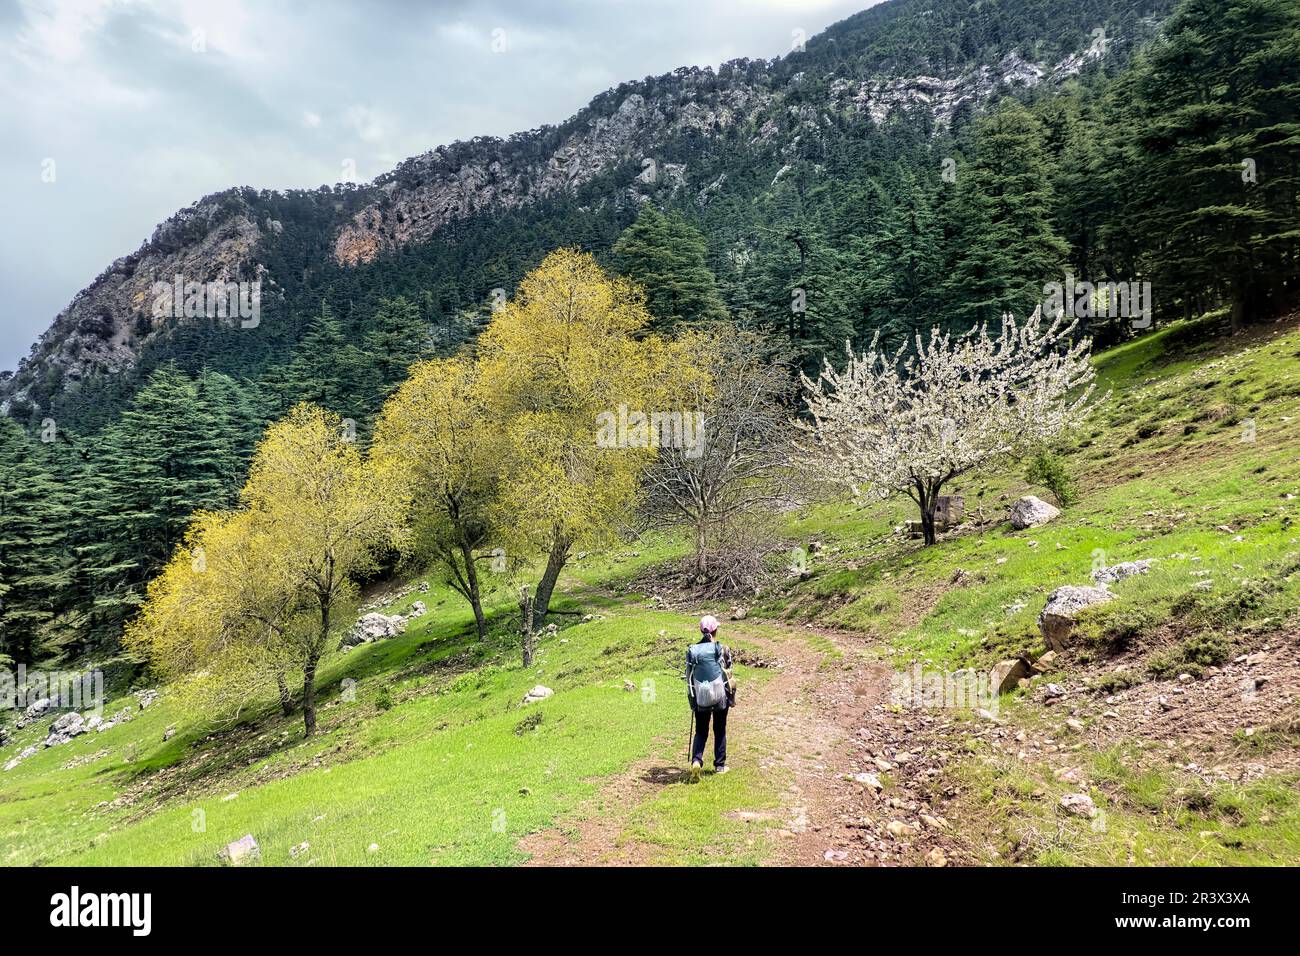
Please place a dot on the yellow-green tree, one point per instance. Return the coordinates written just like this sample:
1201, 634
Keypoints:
440, 450
557, 364
255, 593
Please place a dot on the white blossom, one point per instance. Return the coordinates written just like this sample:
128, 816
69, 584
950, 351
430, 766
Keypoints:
915, 419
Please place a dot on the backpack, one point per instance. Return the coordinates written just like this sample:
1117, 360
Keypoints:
709, 694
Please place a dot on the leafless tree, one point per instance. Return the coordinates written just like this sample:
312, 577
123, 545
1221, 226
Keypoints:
740, 466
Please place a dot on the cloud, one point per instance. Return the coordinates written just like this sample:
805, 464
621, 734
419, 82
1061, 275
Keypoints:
147, 105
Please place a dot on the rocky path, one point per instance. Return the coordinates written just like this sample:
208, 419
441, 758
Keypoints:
857, 776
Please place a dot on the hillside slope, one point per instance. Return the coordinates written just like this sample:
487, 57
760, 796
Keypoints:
1174, 710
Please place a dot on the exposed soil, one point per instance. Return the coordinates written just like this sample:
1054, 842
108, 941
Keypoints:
821, 721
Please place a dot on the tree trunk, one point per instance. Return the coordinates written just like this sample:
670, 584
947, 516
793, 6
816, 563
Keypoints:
474, 595
701, 551
286, 699
546, 586
526, 624
309, 673
309, 696
927, 499
927, 524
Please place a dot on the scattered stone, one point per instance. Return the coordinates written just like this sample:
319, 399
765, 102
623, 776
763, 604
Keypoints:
169, 733
1053, 691
65, 727
418, 609
1118, 572
936, 858
27, 752
629, 686
38, 708
1079, 804
373, 848
145, 698
1075, 725
1007, 674
539, 692
244, 850
1030, 512
299, 849
899, 830
869, 780
835, 856
1045, 663
739, 613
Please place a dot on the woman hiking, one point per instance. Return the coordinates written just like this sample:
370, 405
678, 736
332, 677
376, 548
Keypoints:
712, 693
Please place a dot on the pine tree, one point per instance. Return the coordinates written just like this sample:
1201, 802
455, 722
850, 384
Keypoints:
668, 257
1006, 248
1217, 164
34, 562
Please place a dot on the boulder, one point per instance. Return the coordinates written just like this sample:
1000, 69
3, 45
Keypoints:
38, 708
65, 727
417, 609
1008, 674
1118, 572
1058, 617
1030, 512
244, 850
539, 692
374, 627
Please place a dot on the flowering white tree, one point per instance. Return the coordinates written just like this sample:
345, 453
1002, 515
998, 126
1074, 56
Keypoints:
912, 422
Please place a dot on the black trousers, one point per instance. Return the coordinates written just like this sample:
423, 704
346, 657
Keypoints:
719, 736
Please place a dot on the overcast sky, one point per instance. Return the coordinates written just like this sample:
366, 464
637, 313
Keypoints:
135, 108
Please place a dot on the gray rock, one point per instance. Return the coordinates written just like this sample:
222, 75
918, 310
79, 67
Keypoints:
65, 727
1079, 805
1008, 674
38, 708
374, 627
1118, 572
27, 752
146, 698
539, 692
1030, 512
242, 851
1058, 617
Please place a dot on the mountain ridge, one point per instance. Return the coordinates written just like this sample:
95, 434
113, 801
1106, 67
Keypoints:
649, 126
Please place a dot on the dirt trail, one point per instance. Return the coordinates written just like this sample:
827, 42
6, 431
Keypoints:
819, 724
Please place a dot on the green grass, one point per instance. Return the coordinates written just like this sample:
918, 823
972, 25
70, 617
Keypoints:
426, 751
975, 597
1147, 816
430, 755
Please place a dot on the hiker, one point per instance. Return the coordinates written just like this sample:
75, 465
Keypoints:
712, 692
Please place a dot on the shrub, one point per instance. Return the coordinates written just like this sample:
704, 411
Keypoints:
384, 699
1049, 471
1192, 656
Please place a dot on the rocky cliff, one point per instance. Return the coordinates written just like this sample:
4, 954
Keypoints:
856, 79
